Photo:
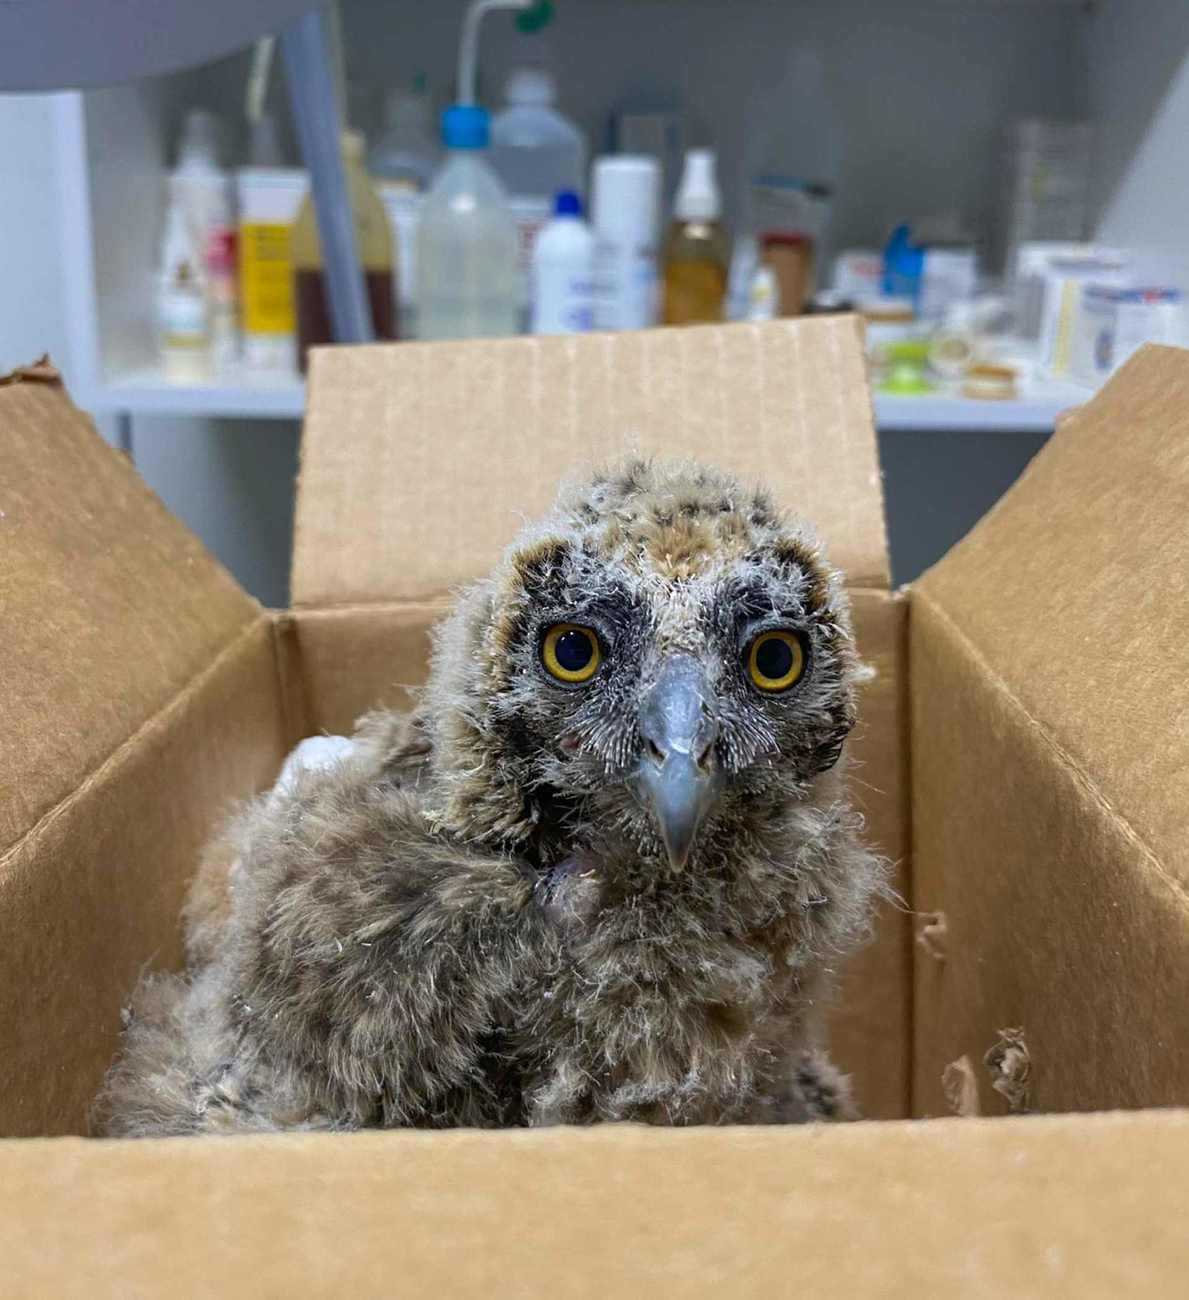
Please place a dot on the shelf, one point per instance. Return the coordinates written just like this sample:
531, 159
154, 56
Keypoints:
235, 395
255, 395
1033, 412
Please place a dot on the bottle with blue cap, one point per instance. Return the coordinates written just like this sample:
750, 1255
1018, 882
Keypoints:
562, 278
467, 283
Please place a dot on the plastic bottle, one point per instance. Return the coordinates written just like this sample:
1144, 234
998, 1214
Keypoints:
201, 190
403, 164
375, 252
624, 215
467, 283
696, 250
796, 158
563, 271
536, 152
183, 336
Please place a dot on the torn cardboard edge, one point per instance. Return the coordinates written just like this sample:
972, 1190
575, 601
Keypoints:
1010, 1066
41, 371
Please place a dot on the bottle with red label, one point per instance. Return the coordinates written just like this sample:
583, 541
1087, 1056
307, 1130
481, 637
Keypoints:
201, 190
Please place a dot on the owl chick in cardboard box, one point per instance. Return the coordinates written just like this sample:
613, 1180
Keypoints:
603, 871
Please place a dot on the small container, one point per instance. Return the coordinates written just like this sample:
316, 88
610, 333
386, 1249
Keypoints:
403, 165
563, 271
1114, 322
183, 324
269, 201
626, 193
858, 273
696, 254
989, 382
791, 258
374, 240
763, 296
202, 191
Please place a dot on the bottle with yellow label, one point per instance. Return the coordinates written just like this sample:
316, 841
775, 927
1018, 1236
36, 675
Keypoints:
269, 200
374, 239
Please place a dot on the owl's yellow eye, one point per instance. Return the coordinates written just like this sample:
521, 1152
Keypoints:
775, 661
571, 653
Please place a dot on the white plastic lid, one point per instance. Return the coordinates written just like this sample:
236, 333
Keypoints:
626, 189
698, 198
200, 140
530, 86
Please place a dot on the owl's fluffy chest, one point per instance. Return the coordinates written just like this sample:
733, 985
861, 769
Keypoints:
670, 1006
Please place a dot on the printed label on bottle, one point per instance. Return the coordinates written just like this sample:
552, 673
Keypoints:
530, 214
266, 276
625, 287
403, 204
182, 318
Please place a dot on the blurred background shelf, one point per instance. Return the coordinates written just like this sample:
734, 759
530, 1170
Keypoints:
250, 396
230, 396
1034, 411
925, 92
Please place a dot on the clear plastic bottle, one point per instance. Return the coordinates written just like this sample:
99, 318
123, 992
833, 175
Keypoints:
375, 252
467, 284
696, 253
403, 164
536, 153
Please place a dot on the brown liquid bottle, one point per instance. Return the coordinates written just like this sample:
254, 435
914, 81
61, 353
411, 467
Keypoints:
695, 252
374, 238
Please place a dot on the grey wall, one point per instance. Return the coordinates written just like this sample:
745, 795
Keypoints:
938, 485
232, 482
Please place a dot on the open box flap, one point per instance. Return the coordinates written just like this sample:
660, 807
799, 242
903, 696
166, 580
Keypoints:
1074, 591
420, 462
108, 606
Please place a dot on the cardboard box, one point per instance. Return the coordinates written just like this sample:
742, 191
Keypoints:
1038, 675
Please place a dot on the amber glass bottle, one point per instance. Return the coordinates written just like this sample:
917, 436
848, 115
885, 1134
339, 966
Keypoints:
374, 238
695, 252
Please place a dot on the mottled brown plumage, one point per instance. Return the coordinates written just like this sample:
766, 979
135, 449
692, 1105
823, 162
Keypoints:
533, 902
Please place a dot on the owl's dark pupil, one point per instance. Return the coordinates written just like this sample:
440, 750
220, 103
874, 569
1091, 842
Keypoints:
574, 650
774, 658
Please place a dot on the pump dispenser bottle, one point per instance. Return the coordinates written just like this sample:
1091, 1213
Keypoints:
695, 252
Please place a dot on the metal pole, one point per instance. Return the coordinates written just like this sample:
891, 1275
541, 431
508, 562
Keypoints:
306, 51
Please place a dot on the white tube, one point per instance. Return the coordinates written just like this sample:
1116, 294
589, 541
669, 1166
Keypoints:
468, 47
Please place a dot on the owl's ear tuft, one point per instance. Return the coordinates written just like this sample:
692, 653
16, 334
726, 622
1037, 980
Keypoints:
539, 560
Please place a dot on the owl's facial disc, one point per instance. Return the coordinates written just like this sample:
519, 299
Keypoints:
678, 777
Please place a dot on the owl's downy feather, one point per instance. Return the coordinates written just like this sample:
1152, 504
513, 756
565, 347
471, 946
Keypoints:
541, 901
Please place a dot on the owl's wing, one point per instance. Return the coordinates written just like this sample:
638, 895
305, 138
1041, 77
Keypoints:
355, 967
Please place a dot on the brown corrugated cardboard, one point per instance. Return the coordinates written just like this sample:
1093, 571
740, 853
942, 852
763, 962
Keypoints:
107, 604
1085, 1207
1058, 845
93, 893
1046, 656
421, 461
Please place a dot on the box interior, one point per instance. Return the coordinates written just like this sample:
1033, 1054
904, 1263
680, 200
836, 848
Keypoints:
149, 694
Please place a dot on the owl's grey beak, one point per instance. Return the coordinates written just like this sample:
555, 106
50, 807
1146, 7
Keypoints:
678, 776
